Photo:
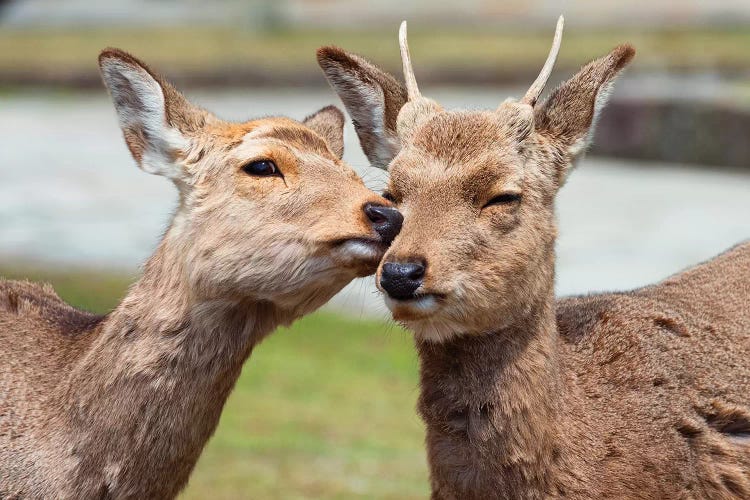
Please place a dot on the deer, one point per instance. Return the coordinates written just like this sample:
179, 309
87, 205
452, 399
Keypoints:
121, 405
635, 394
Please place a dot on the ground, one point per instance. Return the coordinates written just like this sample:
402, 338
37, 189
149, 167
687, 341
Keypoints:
324, 409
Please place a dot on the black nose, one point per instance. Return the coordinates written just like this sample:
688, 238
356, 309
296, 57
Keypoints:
385, 220
401, 280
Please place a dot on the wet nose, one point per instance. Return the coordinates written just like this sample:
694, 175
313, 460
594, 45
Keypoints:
401, 279
385, 220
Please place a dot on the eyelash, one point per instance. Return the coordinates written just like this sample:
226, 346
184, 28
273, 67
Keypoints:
504, 199
388, 196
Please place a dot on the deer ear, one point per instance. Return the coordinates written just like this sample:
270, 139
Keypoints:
329, 124
373, 99
568, 116
155, 119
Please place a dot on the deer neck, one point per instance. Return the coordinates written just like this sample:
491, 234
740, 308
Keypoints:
148, 394
490, 404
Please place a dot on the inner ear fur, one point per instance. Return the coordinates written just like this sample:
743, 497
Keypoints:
372, 97
154, 117
568, 116
179, 111
329, 124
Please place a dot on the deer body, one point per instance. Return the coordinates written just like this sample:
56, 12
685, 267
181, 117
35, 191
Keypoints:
642, 394
121, 406
602, 396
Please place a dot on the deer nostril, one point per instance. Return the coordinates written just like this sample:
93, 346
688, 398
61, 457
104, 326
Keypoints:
375, 216
416, 272
386, 221
401, 280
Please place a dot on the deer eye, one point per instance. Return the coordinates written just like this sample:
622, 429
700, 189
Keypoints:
504, 199
261, 168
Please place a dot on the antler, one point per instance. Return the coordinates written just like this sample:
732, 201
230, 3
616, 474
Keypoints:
532, 95
411, 82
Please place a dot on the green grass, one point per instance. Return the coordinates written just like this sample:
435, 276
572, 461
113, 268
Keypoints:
324, 409
183, 49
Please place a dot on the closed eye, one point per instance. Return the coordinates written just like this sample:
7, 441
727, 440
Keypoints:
504, 199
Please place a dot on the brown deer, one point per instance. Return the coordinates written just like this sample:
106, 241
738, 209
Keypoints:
120, 406
640, 394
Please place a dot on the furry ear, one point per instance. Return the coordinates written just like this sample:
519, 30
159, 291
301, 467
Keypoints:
373, 99
329, 124
568, 116
155, 119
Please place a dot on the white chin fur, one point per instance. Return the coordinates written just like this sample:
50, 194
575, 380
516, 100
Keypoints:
425, 325
425, 304
360, 250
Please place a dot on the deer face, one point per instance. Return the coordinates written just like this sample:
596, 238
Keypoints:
267, 210
478, 224
476, 189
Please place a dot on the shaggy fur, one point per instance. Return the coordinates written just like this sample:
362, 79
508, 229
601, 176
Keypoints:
120, 406
643, 394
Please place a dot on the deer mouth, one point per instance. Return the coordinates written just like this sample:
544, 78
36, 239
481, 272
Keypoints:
416, 307
360, 252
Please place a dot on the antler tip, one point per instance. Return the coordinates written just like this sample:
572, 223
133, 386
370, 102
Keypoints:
536, 88
559, 27
411, 81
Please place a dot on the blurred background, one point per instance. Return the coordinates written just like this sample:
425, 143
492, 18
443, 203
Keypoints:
326, 408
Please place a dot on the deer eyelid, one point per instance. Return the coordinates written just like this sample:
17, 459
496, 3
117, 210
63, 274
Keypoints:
504, 199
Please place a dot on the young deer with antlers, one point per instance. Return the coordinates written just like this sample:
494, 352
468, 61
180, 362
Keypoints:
120, 406
641, 394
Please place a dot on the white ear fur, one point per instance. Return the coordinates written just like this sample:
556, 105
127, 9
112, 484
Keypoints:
140, 104
371, 96
369, 118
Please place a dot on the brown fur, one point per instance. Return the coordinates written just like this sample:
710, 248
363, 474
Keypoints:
644, 394
120, 406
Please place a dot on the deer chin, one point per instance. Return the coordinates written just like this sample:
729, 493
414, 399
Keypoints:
361, 254
428, 316
434, 329
420, 307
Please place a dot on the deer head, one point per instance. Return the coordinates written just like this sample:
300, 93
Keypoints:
267, 209
476, 188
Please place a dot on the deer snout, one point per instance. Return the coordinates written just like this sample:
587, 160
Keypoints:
386, 221
401, 279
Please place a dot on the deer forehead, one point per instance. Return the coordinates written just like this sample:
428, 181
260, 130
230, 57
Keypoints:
460, 153
282, 129
459, 136
295, 148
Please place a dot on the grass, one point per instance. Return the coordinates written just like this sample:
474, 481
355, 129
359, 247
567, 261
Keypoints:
183, 50
324, 409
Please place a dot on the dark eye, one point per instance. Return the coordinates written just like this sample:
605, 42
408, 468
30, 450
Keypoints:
388, 196
261, 168
504, 199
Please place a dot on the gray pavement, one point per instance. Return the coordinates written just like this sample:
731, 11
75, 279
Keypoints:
71, 195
